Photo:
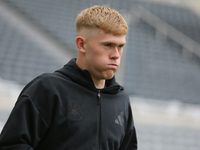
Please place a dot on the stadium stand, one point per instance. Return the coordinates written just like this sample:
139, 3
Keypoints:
21, 59
159, 70
155, 66
154, 72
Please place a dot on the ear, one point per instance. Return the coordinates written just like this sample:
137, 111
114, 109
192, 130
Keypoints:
80, 43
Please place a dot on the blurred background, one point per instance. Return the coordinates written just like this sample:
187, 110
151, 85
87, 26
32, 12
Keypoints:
160, 66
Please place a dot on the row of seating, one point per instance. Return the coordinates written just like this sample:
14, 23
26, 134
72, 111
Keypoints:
21, 60
159, 67
155, 67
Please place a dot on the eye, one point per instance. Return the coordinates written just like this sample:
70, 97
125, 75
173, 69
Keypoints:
108, 45
121, 46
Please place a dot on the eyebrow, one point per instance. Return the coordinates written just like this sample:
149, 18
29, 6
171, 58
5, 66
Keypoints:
110, 42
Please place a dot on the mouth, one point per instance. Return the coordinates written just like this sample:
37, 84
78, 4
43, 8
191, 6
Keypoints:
113, 65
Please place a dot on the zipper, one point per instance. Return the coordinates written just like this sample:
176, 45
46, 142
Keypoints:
99, 126
99, 97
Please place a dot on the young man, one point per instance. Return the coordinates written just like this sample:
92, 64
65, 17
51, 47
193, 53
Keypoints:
81, 106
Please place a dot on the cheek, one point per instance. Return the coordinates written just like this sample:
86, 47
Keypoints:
99, 58
119, 60
95, 61
99, 63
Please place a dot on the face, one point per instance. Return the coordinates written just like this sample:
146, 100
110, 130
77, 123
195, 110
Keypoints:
103, 54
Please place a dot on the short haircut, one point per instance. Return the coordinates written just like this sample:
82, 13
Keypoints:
101, 17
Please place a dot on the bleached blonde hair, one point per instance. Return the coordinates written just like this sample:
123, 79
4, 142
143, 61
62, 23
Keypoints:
101, 17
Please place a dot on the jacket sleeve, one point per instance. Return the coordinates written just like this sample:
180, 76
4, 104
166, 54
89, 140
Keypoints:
24, 128
130, 139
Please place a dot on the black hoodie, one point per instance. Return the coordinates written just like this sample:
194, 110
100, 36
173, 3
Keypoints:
64, 111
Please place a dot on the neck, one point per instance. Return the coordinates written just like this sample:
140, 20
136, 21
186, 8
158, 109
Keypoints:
99, 84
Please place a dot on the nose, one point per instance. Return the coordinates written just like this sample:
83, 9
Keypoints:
116, 53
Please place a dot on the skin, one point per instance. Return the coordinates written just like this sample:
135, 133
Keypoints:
99, 53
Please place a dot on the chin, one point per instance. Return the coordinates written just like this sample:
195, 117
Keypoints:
109, 77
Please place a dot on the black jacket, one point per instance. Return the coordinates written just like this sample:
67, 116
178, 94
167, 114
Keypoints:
64, 111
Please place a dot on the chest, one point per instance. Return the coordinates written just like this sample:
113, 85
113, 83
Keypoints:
91, 118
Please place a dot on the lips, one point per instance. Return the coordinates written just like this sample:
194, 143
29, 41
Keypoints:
113, 65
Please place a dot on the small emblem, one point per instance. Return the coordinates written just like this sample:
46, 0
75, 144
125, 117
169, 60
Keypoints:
74, 111
120, 119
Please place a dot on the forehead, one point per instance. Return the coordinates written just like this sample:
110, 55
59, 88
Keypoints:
103, 37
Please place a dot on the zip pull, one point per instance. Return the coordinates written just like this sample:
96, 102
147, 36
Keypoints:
99, 97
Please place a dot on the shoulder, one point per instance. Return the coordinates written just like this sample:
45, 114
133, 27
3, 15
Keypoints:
125, 99
125, 96
42, 93
42, 90
44, 83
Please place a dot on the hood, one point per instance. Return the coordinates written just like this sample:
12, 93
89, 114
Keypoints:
83, 78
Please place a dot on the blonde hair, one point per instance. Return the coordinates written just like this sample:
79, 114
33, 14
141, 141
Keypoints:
105, 18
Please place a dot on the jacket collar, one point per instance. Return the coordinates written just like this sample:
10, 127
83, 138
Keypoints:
83, 78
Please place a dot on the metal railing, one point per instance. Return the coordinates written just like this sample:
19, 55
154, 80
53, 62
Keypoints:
169, 31
37, 35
